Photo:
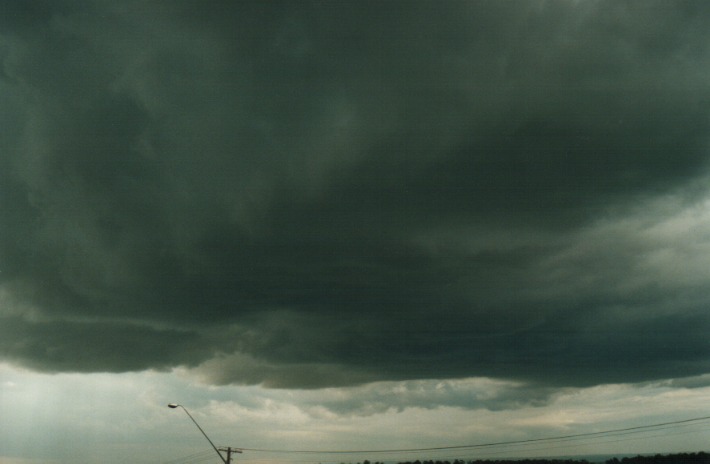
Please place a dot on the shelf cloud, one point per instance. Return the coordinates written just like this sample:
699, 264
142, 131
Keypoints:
321, 194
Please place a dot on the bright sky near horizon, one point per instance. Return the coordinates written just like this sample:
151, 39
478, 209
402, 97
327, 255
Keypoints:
353, 225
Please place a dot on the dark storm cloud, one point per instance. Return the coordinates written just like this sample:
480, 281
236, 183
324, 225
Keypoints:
310, 194
93, 347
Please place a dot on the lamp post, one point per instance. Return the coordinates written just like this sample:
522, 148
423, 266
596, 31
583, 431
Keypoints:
174, 405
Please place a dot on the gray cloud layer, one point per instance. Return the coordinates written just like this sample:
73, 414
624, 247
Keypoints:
314, 194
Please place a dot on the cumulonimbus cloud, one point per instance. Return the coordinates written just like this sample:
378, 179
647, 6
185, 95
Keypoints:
304, 196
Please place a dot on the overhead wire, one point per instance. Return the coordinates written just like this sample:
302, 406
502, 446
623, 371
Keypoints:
484, 445
548, 444
566, 444
200, 456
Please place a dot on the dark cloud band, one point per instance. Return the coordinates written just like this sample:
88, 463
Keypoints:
306, 195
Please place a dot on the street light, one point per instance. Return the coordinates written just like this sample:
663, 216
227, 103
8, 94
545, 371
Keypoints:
174, 405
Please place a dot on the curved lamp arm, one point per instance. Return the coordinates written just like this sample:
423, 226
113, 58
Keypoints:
174, 405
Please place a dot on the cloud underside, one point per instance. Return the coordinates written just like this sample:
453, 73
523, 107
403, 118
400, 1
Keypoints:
305, 196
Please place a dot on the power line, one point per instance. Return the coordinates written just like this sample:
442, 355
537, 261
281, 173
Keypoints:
563, 441
484, 445
193, 458
569, 444
459, 454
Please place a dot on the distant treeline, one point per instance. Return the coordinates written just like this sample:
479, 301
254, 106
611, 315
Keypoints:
499, 461
679, 458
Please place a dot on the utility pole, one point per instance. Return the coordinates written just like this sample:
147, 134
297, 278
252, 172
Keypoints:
229, 451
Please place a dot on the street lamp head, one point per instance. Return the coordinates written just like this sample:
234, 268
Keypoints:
175, 405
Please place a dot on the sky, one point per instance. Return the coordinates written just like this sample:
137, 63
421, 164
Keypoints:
353, 225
